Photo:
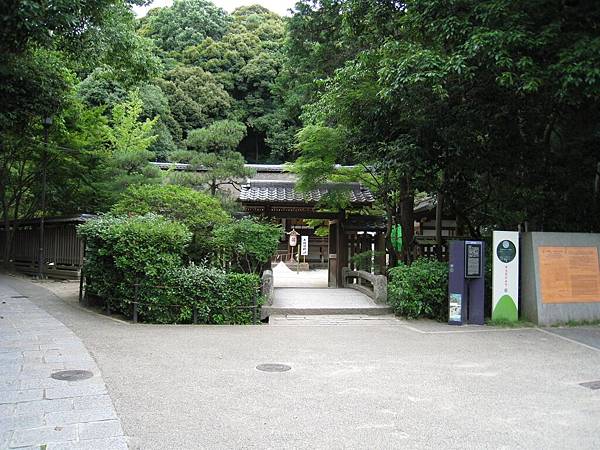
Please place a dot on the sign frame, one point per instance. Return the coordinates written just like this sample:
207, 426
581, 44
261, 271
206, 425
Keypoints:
472, 245
304, 245
505, 276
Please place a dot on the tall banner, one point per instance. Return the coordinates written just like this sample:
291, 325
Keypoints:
505, 276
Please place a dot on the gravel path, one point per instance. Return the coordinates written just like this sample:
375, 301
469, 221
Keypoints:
397, 385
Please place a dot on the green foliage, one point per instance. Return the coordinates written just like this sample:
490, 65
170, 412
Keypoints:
198, 211
195, 96
120, 250
246, 245
419, 290
213, 161
185, 23
220, 298
220, 136
140, 258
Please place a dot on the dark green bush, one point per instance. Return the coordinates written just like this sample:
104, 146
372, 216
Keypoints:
147, 251
121, 250
219, 297
246, 245
200, 212
420, 290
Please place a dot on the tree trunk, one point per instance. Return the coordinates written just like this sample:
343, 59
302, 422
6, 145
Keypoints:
407, 221
439, 208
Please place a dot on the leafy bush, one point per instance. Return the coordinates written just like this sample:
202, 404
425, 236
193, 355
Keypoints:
147, 251
120, 250
246, 245
420, 290
199, 211
219, 297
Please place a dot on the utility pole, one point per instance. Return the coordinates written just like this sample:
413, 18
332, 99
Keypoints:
47, 123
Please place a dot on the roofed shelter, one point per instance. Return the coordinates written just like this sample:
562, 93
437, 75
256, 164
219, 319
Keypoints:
347, 235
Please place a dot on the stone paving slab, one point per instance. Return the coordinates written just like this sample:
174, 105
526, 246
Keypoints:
336, 319
37, 411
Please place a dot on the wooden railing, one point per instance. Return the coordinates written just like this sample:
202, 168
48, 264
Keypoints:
375, 286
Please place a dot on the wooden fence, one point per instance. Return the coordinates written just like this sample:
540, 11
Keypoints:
63, 249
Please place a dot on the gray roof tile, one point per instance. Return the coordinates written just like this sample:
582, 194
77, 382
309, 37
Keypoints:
282, 192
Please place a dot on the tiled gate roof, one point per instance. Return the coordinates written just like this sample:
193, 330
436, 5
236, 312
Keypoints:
283, 192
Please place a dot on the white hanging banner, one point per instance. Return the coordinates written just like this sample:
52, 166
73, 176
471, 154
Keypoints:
505, 276
304, 246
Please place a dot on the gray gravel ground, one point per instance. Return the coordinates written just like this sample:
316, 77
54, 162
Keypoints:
393, 386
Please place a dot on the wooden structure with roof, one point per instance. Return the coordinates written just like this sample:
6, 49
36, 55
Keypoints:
348, 235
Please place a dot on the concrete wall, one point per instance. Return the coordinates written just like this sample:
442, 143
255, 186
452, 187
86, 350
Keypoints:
531, 305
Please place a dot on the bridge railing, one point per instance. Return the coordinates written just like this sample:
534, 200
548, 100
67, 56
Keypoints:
267, 287
375, 286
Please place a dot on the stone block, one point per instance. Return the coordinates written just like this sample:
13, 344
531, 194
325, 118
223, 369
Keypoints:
43, 436
99, 430
80, 416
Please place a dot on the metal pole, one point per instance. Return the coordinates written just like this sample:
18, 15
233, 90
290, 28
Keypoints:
195, 312
47, 123
255, 309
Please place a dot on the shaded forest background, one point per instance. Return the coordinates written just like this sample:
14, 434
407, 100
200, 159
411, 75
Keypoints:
491, 107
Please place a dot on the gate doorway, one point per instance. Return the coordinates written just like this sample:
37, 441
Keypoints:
342, 236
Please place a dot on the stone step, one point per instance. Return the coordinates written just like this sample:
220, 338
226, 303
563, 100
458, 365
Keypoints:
374, 310
327, 320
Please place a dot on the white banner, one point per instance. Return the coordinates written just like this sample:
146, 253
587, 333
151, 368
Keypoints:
304, 246
505, 275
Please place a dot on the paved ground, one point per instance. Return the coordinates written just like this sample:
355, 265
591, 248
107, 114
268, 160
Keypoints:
284, 277
398, 385
37, 410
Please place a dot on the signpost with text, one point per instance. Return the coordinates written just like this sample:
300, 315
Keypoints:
505, 278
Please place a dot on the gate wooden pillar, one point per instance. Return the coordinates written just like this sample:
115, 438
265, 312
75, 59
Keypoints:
380, 251
342, 248
332, 257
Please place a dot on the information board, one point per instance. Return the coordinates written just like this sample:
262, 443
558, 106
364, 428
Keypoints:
304, 246
569, 274
473, 259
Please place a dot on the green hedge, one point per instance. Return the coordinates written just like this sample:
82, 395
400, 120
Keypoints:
220, 297
148, 250
121, 250
420, 290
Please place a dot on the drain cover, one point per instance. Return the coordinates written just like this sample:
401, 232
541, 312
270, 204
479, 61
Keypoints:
591, 384
273, 367
19, 296
72, 375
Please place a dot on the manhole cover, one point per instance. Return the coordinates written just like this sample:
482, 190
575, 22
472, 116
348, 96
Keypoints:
273, 367
591, 384
19, 296
72, 375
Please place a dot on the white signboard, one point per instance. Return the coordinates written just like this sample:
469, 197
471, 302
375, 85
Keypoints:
505, 276
293, 240
304, 246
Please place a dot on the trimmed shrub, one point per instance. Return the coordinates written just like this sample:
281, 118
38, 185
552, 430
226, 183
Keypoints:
219, 297
420, 290
246, 245
121, 250
200, 212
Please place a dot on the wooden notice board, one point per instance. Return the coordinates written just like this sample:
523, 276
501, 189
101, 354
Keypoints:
569, 274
